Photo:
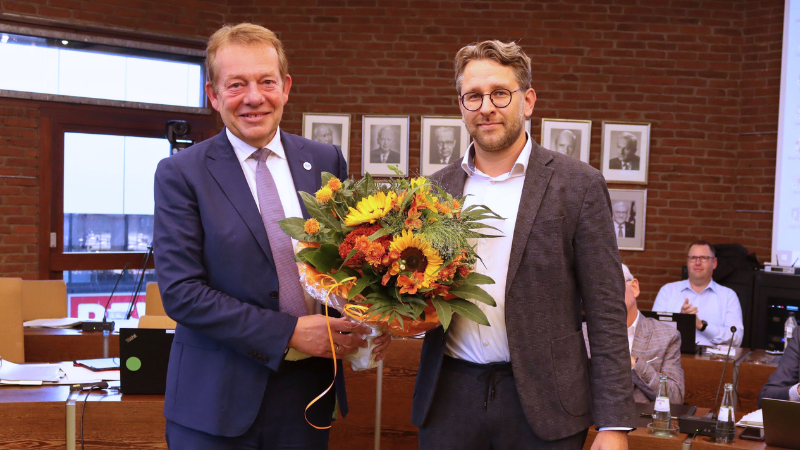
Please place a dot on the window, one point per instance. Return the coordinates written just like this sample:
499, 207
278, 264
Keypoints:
97, 215
89, 290
47, 65
108, 191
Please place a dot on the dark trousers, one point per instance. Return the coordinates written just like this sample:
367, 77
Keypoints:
280, 423
476, 407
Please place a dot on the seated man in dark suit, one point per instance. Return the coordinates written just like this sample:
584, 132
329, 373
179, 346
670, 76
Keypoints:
655, 348
784, 383
628, 159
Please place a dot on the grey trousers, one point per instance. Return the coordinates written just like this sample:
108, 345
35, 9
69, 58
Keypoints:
476, 407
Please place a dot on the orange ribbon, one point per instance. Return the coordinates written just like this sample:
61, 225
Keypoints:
323, 279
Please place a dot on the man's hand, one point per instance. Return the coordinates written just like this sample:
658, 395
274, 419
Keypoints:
688, 308
611, 440
311, 336
633, 361
381, 344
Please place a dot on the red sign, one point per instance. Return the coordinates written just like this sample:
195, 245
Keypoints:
90, 306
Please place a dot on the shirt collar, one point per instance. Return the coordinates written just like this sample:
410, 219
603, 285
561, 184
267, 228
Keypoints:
712, 286
518, 169
635, 322
244, 150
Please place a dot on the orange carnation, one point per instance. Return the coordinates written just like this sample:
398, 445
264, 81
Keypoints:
334, 184
311, 226
324, 195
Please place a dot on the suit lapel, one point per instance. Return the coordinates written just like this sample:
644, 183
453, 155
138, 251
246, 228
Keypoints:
453, 180
537, 177
299, 158
641, 337
226, 170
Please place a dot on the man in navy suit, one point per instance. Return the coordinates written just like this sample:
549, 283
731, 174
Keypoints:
784, 383
249, 354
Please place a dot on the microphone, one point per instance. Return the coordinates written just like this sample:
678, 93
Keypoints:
139, 284
714, 412
105, 325
105, 310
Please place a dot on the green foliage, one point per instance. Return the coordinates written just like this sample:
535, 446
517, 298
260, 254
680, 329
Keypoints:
444, 311
293, 226
473, 293
449, 233
469, 311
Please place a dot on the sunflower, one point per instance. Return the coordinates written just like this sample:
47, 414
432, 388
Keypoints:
418, 255
371, 209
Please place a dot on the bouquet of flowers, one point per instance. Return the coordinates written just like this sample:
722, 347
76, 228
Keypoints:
393, 255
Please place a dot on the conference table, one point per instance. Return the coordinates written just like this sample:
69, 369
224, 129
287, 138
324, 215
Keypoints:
701, 372
50, 417
21, 408
58, 344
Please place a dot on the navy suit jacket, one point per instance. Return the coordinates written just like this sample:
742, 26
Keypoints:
218, 281
786, 375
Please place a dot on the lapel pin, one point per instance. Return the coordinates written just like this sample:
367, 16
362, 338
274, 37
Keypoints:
307, 165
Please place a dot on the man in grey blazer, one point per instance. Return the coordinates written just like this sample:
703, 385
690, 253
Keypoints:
524, 382
655, 348
784, 383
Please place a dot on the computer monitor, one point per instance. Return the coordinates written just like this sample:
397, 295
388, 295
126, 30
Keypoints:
685, 324
780, 423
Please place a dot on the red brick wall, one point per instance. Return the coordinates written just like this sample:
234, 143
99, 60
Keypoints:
19, 191
701, 72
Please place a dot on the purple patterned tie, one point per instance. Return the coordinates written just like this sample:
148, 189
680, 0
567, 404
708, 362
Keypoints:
290, 294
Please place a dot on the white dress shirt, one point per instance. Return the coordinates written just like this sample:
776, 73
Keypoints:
632, 332
466, 339
279, 168
793, 395
717, 305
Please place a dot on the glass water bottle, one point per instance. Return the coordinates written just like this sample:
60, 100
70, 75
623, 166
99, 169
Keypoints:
788, 329
662, 419
725, 420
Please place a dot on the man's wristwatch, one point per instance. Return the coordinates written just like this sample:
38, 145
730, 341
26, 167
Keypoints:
705, 325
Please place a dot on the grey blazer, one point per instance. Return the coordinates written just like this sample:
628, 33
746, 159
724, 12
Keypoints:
564, 259
660, 344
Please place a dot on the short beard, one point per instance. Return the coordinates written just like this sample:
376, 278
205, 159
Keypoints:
505, 141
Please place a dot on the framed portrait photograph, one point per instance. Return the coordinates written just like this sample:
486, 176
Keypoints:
384, 142
329, 129
628, 212
569, 137
444, 140
625, 152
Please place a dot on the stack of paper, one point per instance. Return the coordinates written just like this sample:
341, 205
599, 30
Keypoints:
11, 373
722, 350
67, 322
61, 373
754, 419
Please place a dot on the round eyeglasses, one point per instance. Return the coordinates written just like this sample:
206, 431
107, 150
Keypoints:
500, 98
